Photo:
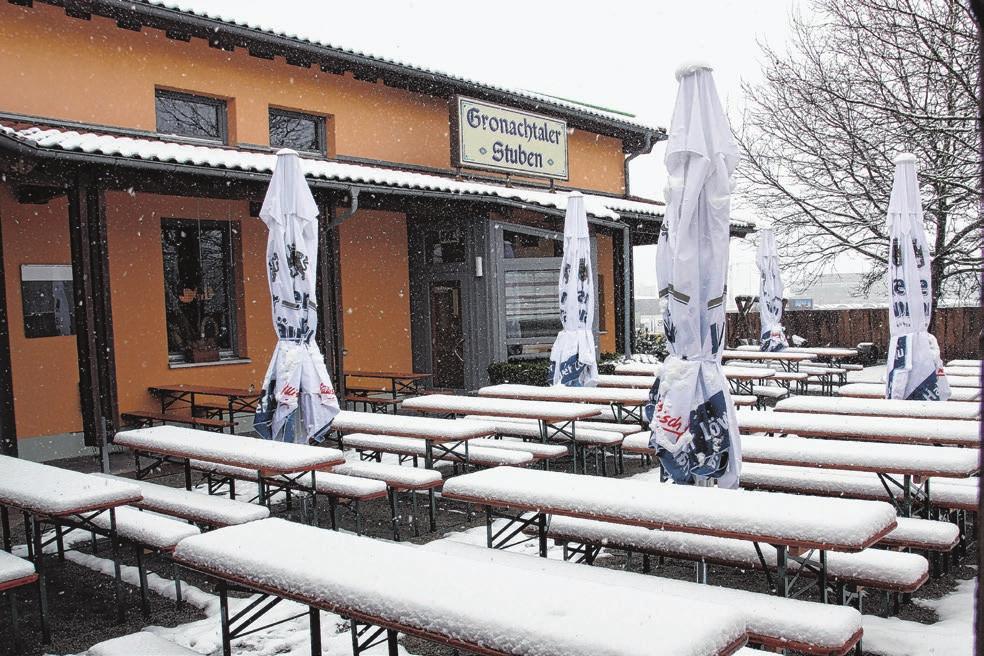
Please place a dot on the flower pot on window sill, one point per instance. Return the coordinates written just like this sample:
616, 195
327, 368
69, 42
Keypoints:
202, 351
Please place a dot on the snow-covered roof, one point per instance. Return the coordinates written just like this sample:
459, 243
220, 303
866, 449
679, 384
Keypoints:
312, 33
159, 150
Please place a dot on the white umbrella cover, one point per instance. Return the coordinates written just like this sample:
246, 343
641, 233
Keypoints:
297, 378
692, 416
773, 335
915, 369
572, 358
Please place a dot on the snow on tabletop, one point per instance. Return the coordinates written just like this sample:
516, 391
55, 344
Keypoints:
892, 568
141, 643
147, 528
877, 391
880, 407
249, 452
772, 517
485, 405
867, 456
394, 582
839, 482
347, 487
778, 356
212, 510
973, 382
585, 431
13, 568
349, 421
562, 393
962, 371
617, 380
731, 371
927, 431
589, 424
821, 625
50, 490
413, 446
397, 474
965, 363
638, 369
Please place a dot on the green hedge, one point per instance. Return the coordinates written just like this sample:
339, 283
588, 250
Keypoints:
534, 372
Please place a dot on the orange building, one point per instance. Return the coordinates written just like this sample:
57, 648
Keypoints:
136, 143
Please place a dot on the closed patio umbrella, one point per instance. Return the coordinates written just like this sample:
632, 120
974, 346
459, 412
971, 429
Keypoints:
693, 421
915, 369
572, 358
772, 334
298, 401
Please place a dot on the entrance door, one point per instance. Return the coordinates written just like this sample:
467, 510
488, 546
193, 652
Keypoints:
447, 335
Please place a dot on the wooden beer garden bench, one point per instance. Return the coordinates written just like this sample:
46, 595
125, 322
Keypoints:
951, 432
15, 573
374, 404
877, 391
146, 419
800, 529
881, 407
282, 560
776, 624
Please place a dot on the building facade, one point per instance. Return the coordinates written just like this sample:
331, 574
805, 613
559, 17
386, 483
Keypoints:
136, 142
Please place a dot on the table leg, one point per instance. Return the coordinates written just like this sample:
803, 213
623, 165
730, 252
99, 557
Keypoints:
42, 579
314, 498
314, 622
782, 575
224, 617
232, 421
541, 533
187, 473
823, 576
260, 490
5, 527
117, 573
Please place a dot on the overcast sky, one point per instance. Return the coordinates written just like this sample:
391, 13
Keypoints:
620, 54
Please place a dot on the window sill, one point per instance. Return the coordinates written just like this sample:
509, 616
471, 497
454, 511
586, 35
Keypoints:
225, 361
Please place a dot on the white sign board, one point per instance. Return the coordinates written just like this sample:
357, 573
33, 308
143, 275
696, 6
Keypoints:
503, 139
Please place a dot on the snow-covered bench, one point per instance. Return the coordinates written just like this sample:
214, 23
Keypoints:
791, 524
865, 429
965, 363
877, 391
344, 491
480, 609
802, 626
878, 569
824, 375
881, 407
201, 509
587, 438
410, 447
15, 573
409, 480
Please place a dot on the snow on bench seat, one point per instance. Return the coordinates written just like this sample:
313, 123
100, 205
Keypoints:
438, 430
537, 450
880, 407
747, 373
877, 391
865, 429
928, 534
15, 571
394, 586
871, 568
395, 476
560, 393
479, 405
638, 443
769, 391
585, 433
744, 400
53, 491
876, 457
813, 370
848, 485
639, 369
198, 508
973, 382
965, 363
781, 519
140, 643
626, 380
804, 626
610, 426
327, 483
147, 528
252, 453
962, 371
410, 446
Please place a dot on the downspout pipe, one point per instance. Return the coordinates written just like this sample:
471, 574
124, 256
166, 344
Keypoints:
627, 284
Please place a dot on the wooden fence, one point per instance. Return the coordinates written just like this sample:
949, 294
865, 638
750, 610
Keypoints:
958, 329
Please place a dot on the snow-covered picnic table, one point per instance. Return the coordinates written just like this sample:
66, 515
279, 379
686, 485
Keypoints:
787, 522
877, 391
268, 458
835, 353
865, 429
624, 402
915, 464
386, 588
788, 361
880, 407
63, 498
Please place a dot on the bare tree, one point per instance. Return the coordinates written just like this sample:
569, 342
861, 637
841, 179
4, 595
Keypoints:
862, 81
